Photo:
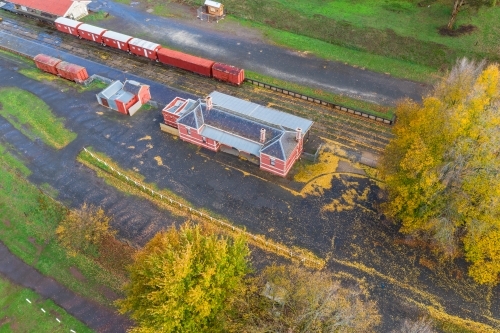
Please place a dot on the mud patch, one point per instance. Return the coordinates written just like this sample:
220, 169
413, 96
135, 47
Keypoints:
108, 293
7, 223
77, 274
461, 30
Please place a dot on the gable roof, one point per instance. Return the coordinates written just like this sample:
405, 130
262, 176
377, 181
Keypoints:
56, 7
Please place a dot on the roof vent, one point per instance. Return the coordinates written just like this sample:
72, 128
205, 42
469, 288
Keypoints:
298, 134
208, 103
262, 135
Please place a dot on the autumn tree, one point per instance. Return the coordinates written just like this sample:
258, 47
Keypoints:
83, 229
181, 279
442, 167
459, 5
285, 299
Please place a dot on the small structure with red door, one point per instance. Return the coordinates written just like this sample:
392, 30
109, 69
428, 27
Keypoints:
90, 32
67, 25
143, 48
267, 137
185, 61
126, 97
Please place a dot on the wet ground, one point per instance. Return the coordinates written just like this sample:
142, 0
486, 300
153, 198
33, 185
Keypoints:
357, 243
258, 56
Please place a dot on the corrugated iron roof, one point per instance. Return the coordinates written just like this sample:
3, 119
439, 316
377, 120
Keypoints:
117, 36
231, 140
56, 7
144, 44
68, 22
260, 112
91, 28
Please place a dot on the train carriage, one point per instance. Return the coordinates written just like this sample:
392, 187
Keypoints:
90, 32
143, 48
228, 73
185, 61
116, 40
67, 25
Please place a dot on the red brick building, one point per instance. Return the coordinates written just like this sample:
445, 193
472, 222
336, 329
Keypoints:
270, 138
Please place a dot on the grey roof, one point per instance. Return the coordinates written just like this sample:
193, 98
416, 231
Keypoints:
123, 96
112, 89
91, 28
282, 147
144, 44
68, 22
231, 140
260, 112
117, 36
132, 86
212, 3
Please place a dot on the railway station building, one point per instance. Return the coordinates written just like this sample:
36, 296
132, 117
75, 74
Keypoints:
267, 137
52, 9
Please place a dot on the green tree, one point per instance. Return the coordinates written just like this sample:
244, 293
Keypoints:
83, 229
459, 5
442, 167
181, 280
285, 299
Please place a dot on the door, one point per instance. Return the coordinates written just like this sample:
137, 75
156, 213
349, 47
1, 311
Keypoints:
104, 102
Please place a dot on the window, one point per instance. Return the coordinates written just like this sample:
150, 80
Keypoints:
188, 130
273, 161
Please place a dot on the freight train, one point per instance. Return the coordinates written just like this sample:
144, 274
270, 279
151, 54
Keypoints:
150, 50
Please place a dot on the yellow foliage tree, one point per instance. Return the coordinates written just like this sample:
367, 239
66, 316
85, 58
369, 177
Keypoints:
181, 280
442, 168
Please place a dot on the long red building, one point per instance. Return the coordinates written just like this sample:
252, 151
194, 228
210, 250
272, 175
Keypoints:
270, 138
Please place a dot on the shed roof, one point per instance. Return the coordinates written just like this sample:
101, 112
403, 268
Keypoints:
68, 22
231, 140
117, 36
112, 89
144, 44
260, 112
212, 3
56, 7
91, 28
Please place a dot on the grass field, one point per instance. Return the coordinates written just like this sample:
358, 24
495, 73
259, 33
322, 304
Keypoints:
28, 218
32, 117
36, 74
394, 36
18, 315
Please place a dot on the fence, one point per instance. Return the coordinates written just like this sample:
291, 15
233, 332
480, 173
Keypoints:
202, 14
265, 244
322, 102
312, 157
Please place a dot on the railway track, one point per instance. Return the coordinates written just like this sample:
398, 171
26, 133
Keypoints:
352, 131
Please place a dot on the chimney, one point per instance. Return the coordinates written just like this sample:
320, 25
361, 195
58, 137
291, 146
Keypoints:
262, 135
208, 103
298, 135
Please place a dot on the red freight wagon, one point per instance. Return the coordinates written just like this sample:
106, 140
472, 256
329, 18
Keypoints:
185, 61
91, 32
46, 63
143, 48
116, 40
72, 72
228, 73
67, 25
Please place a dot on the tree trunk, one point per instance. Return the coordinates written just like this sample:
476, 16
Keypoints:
457, 5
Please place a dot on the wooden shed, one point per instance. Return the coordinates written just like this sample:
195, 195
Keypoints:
214, 8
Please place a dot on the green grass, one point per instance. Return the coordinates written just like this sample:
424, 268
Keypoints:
17, 315
28, 219
96, 16
38, 75
32, 117
371, 108
364, 32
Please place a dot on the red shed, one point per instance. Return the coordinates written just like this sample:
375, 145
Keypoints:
67, 25
185, 61
228, 73
91, 32
143, 48
72, 72
46, 63
116, 40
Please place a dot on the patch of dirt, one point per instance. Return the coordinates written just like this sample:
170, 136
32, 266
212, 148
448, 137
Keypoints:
108, 293
77, 274
7, 223
4, 320
1, 107
461, 30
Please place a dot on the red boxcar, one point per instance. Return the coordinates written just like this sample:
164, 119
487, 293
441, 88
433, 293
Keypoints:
47, 63
91, 32
185, 61
67, 25
72, 72
228, 73
143, 48
116, 40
